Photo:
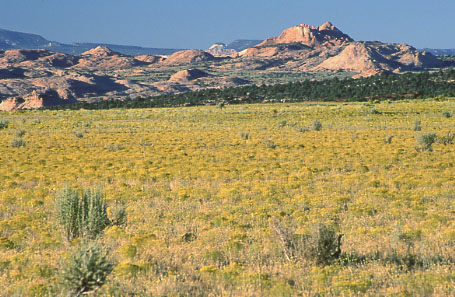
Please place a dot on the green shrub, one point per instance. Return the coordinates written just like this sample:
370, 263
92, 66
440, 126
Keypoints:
114, 147
446, 140
282, 124
303, 129
17, 142
81, 215
373, 111
447, 114
317, 126
86, 269
270, 144
417, 126
4, 124
426, 140
323, 245
245, 135
20, 133
118, 215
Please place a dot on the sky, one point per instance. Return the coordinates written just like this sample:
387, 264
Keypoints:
200, 23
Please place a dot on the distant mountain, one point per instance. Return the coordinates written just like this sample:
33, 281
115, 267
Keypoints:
15, 40
436, 51
18, 40
242, 44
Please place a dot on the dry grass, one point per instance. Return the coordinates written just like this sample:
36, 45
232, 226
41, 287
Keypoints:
200, 198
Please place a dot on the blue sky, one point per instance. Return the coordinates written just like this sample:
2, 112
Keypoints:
200, 23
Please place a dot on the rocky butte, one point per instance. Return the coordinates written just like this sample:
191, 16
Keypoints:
315, 37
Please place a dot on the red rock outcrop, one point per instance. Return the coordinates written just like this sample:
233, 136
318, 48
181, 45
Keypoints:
34, 101
325, 35
187, 75
150, 59
188, 57
103, 58
369, 58
220, 49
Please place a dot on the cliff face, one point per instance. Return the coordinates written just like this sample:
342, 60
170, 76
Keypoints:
34, 100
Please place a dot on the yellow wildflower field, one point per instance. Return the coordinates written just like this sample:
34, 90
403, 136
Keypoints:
214, 197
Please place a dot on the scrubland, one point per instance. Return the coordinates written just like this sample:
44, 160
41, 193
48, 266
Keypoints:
217, 199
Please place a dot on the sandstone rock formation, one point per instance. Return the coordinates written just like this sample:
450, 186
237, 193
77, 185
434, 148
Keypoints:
221, 49
34, 100
187, 75
325, 35
189, 57
102, 57
150, 59
375, 57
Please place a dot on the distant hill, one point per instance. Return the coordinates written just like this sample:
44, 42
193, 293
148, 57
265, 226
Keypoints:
439, 52
242, 44
18, 40
15, 40
78, 48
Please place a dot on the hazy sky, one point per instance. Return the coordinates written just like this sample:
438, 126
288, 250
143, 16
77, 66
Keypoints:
200, 23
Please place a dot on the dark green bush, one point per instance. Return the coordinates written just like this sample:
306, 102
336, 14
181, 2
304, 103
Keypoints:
447, 114
4, 124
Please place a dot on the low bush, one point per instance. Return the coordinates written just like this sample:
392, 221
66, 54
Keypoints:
20, 133
17, 142
86, 269
323, 245
426, 140
4, 124
317, 126
417, 126
81, 215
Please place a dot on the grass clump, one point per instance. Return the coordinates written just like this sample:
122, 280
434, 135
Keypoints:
417, 125
82, 215
20, 133
317, 126
86, 269
17, 142
4, 124
322, 246
426, 140
447, 114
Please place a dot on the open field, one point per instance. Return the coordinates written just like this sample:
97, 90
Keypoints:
214, 197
